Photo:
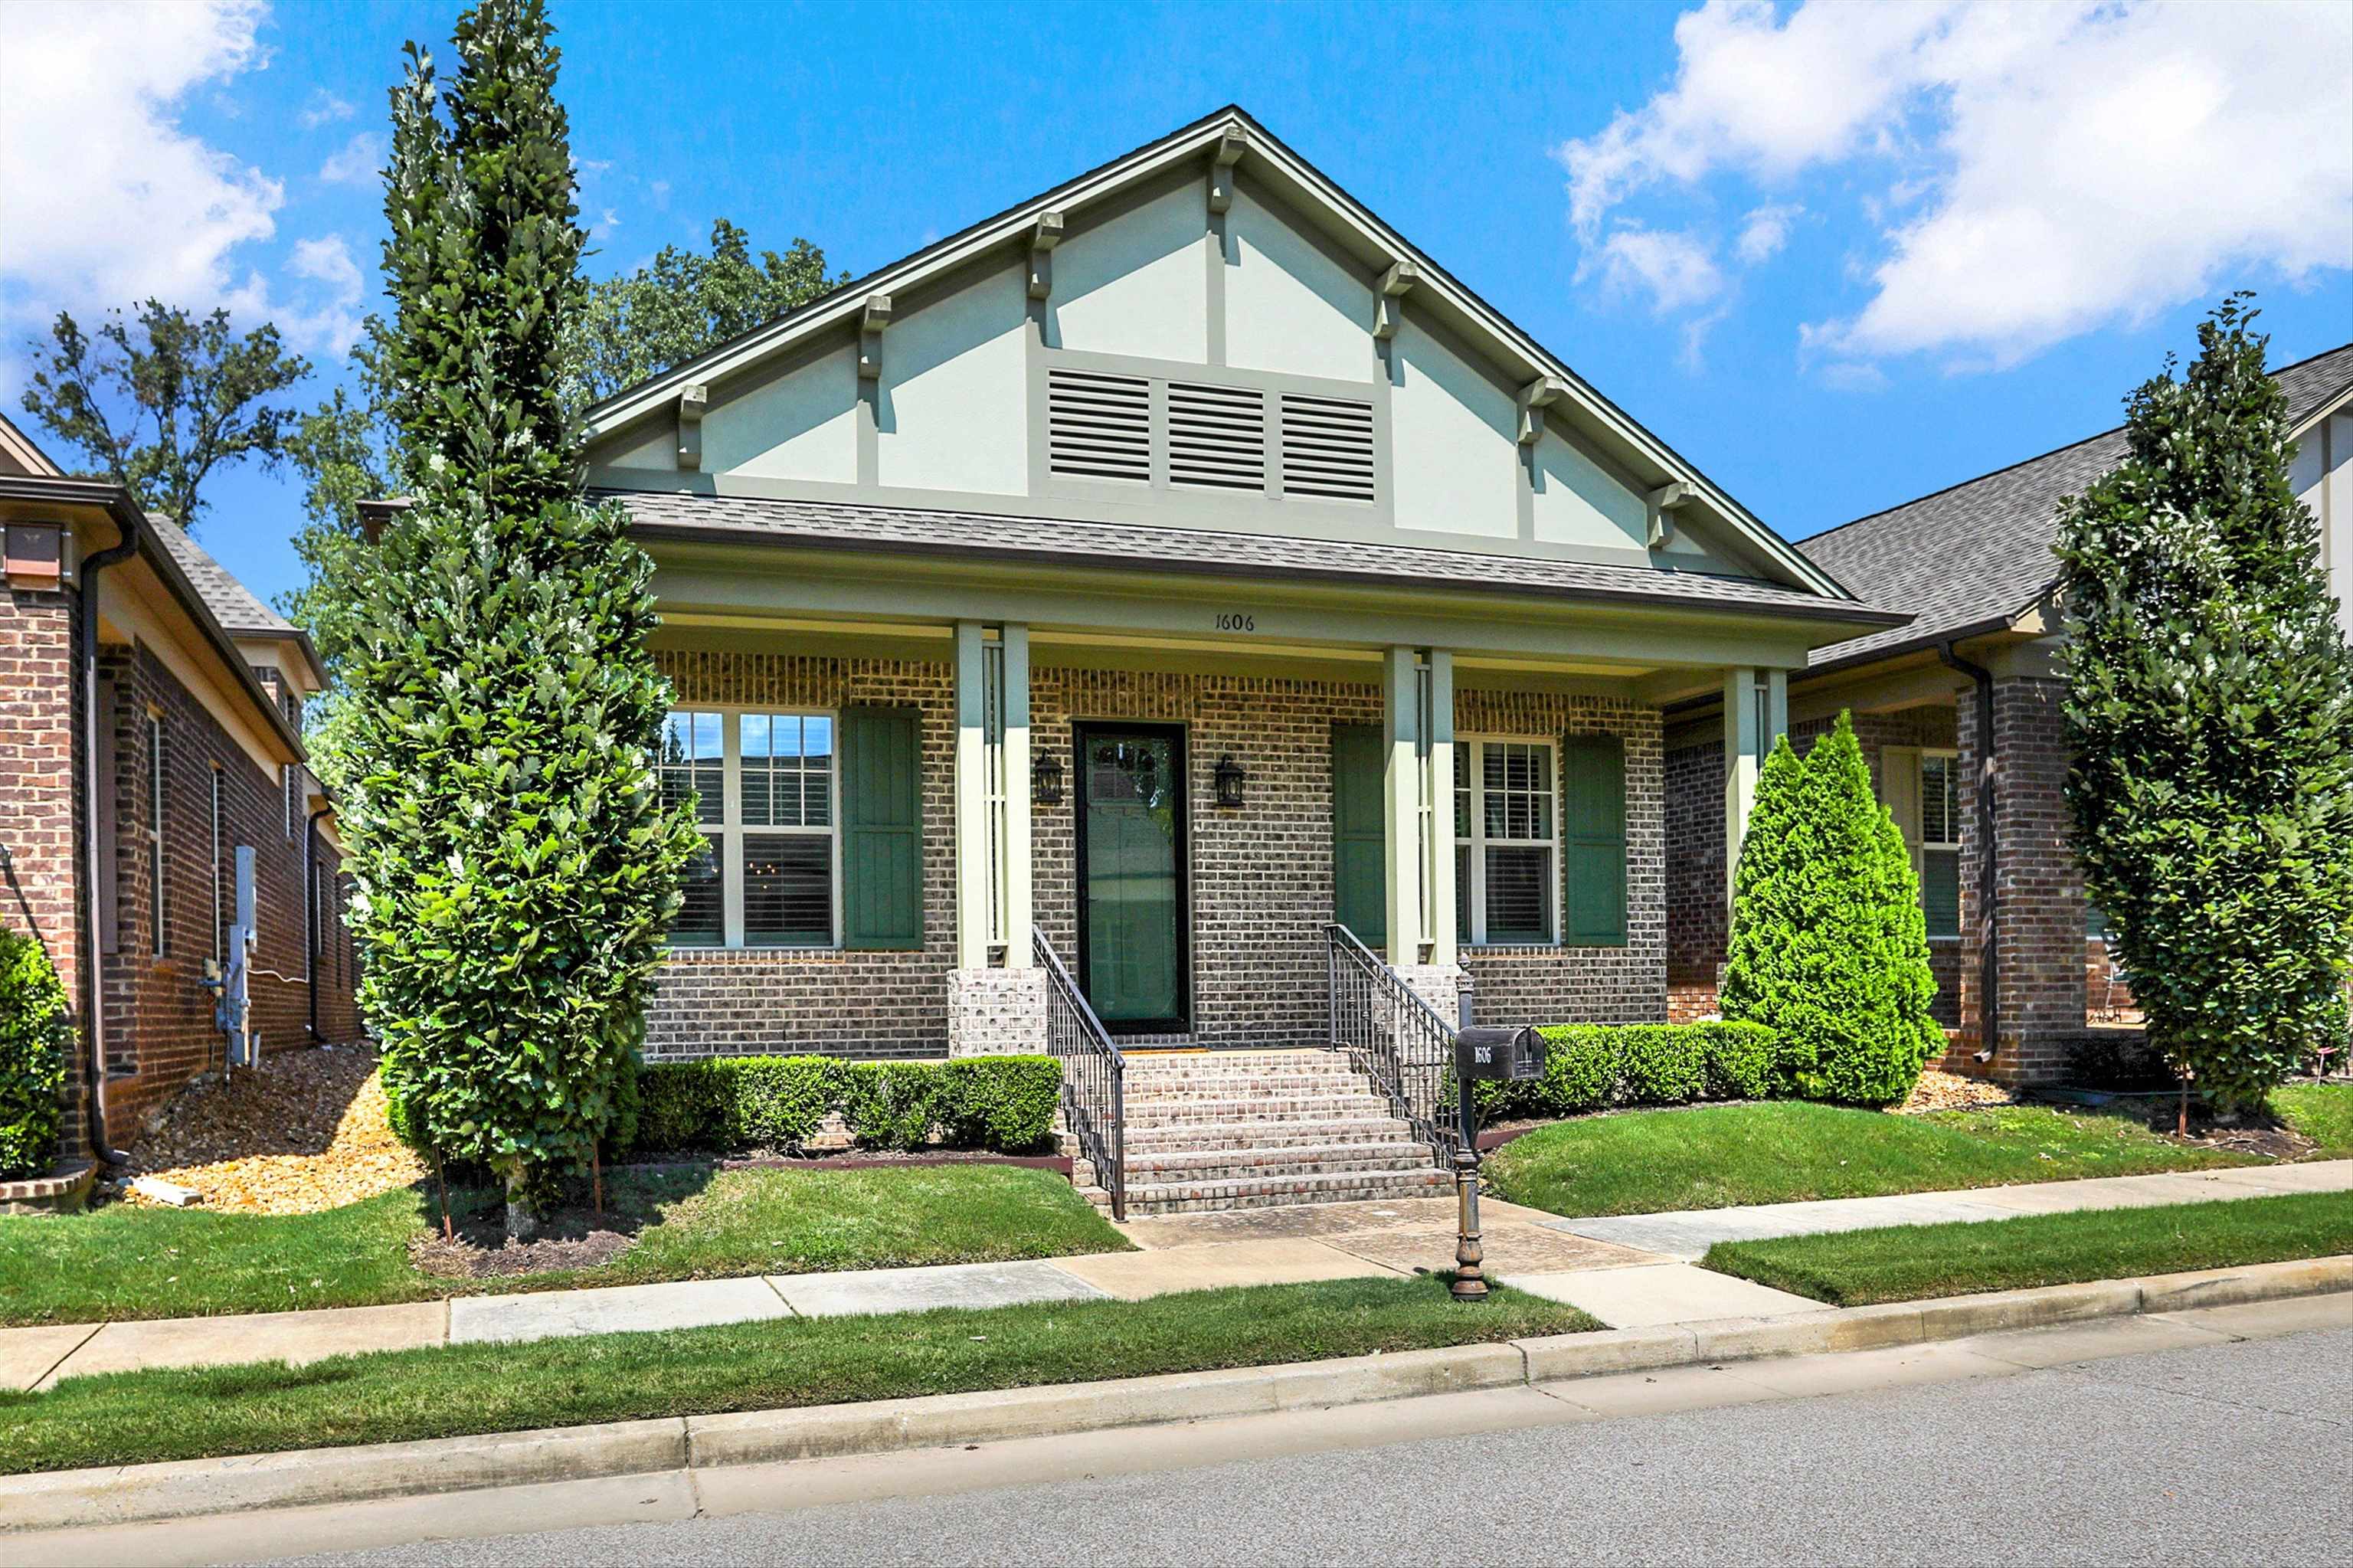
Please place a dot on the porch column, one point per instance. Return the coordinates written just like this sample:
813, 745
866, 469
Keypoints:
1756, 715
975, 843
1013, 791
994, 1004
1401, 800
1438, 823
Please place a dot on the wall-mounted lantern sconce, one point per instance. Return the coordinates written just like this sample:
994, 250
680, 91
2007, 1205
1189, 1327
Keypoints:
1230, 779
1046, 779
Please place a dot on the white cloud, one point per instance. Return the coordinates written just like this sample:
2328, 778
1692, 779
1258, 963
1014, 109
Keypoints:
323, 109
331, 322
105, 200
1674, 268
357, 162
1765, 230
2041, 170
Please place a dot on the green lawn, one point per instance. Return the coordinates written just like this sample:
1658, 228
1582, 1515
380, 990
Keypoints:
2322, 1112
134, 1417
1773, 1151
1911, 1262
125, 1262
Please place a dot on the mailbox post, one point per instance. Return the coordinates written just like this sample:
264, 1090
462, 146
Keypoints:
1502, 1053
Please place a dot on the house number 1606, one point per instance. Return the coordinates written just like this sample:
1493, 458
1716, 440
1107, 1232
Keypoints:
1229, 620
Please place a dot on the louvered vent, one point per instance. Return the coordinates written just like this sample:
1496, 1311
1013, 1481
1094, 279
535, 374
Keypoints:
1099, 426
1327, 447
1217, 436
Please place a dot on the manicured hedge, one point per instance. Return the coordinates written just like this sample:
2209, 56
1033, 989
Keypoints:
1591, 1066
34, 1034
1005, 1104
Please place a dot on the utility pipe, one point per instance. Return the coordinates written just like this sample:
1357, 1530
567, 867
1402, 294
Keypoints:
312, 933
94, 1009
1989, 847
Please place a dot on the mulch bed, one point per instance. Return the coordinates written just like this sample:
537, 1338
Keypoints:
1939, 1090
864, 1160
570, 1237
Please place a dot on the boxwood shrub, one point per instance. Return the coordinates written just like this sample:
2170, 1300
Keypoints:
1591, 1066
1003, 1103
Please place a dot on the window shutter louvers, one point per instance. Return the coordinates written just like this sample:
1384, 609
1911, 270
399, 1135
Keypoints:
1099, 425
1593, 773
1328, 448
882, 827
1217, 436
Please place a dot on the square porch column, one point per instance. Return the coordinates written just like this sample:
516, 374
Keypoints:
1401, 801
1756, 715
996, 994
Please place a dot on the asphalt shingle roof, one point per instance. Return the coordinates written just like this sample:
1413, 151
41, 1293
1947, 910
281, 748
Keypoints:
232, 603
1061, 542
1981, 550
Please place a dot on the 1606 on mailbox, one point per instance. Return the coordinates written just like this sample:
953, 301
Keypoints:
1508, 1051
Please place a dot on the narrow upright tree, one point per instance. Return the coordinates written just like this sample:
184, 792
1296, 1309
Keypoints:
2210, 710
515, 865
1829, 944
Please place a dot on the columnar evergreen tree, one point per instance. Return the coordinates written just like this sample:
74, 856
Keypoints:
1829, 943
2209, 708
515, 865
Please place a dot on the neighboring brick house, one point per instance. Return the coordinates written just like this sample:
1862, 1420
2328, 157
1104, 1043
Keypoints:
1171, 567
148, 713
1974, 563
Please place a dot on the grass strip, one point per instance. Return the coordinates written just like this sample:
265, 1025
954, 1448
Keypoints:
1913, 1263
692, 1222
196, 1412
1780, 1151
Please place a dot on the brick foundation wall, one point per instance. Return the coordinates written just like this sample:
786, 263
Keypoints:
39, 819
1261, 877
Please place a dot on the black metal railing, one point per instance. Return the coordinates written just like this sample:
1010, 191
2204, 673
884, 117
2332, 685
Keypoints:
1404, 1044
1094, 1074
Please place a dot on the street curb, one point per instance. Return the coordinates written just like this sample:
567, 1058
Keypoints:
189, 1487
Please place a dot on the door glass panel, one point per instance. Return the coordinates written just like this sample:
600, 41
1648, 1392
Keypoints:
1134, 793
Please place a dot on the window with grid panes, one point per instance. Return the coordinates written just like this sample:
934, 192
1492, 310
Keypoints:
1506, 867
1940, 842
765, 787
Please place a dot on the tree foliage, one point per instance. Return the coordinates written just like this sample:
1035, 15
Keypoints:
681, 303
2209, 709
157, 403
35, 1031
515, 863
1829, 944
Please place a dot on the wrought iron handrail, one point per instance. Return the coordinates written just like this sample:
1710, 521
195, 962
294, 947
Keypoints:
1094, 1076
1393, 1034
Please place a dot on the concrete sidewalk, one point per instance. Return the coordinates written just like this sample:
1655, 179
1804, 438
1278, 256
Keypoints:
1629, 1271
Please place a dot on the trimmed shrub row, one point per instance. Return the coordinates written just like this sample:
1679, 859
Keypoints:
1005, 1104
1590, 1066
34, 1034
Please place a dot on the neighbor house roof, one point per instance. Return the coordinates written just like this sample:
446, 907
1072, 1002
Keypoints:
1969, 559
1232, 130
1056, 541
239, 611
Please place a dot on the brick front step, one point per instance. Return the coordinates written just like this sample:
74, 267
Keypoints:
1271, 1191
1219, 1113
1248, 1164
1143, 1140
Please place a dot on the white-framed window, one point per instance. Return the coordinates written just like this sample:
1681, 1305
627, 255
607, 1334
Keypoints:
156, 925
1506, 841
1940, 842
770, 870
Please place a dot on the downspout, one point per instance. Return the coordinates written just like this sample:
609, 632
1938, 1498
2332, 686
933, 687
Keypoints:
94, 1011
311, 943
1989, 850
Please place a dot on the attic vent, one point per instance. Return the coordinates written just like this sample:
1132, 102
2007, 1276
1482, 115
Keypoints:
1217, 436
1098, 425
1327, 447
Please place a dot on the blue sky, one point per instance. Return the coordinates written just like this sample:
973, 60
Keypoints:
1837, 256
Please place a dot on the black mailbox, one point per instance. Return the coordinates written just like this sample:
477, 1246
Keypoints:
1507, 1051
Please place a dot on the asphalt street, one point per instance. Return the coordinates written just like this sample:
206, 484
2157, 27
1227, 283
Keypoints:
2224, 1453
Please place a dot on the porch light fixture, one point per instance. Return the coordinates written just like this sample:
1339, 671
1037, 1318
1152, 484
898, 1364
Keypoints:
1046, 779
1230, 779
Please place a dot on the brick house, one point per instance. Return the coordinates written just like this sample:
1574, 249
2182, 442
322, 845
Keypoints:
1974, 563
1174, 612
149, 712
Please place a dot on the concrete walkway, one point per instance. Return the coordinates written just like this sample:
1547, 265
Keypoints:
1629, 1271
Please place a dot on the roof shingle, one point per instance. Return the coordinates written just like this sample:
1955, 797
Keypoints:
232, 603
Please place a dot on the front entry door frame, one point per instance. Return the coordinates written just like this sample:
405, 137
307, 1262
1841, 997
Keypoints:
1083, 734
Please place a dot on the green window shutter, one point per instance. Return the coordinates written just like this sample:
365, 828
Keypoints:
1360, 887
882, 828
1593, 773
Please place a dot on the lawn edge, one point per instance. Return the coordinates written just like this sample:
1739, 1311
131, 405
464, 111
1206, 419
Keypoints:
181, 1488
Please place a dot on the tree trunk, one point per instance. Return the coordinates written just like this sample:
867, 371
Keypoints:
522, 1222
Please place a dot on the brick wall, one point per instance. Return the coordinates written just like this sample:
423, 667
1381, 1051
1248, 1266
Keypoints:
160, 1015
1261, 876
39, 820
2040, 954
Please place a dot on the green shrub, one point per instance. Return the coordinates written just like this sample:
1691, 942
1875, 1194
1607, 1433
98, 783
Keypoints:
1580, 1069
1661, 1064
891, 1104
1005, 1103
34, 1035
1739, 1060
737, 1102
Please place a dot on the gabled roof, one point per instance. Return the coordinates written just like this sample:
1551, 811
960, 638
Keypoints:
1513, 348
1054, 541
232, 603
1970, 558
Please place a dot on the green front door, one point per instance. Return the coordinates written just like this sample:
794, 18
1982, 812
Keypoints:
1132, 959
